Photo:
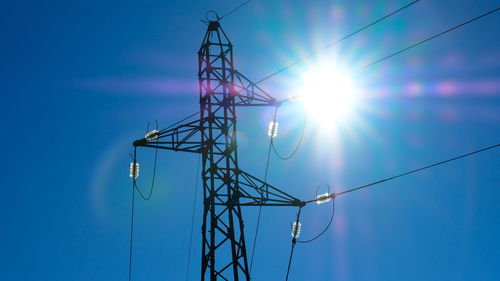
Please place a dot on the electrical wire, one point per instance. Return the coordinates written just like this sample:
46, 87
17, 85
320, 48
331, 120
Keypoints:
359, 30
384, 180
255, 238
146, 198
182, 120
325, 229
296, 147
131, 239
265, 179
334, 195
294, 242
234, 10
336, 42
428, 39
192, 217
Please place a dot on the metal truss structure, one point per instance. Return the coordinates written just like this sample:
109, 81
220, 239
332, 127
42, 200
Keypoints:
226, 187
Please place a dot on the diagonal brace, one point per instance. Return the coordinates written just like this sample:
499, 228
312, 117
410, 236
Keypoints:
255, 192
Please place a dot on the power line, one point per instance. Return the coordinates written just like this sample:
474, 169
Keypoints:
385, 58
336, 42
131, 239
351, 34
182, 120
192, 217
132, 209
295, 233
428, 39
255, 238
296, 147
234, 10
333, 195
146, 198
325, 229
265, 180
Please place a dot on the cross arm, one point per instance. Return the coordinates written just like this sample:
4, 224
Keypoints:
185, 137
249, 94
255, 192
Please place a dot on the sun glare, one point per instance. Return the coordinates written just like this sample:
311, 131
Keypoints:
327, 95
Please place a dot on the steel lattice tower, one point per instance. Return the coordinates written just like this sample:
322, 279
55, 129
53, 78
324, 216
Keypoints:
226, 188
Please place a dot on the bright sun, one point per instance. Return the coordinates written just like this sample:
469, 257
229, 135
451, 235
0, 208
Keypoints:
327, 95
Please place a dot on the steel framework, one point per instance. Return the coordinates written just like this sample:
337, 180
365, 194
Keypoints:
226, 188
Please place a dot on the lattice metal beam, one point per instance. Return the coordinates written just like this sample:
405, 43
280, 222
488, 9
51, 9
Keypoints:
226, 188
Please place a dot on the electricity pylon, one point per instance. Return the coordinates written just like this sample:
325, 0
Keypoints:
226, 187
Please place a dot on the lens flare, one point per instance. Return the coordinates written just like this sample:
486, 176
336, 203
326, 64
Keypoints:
327, 95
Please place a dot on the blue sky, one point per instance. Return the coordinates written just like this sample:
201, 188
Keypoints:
81, 80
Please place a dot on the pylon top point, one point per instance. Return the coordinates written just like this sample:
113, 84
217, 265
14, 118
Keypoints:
213, 25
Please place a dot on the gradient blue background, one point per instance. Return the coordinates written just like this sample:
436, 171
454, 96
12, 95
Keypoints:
81, 79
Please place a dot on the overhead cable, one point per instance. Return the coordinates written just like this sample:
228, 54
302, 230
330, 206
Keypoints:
147, 197
296, 147
334, 195
324, 230
336, 42
294, 241
182, 120
131, 238
268, 159
428, 39
234, 10
192, 217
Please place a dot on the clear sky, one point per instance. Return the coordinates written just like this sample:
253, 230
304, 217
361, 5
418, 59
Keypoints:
82, 79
